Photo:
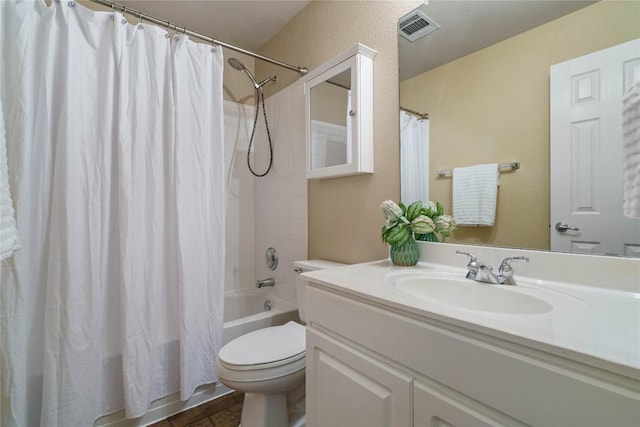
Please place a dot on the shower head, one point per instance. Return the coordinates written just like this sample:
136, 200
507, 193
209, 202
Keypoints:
238, 65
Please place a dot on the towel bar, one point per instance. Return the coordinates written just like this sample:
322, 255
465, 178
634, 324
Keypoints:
501, 167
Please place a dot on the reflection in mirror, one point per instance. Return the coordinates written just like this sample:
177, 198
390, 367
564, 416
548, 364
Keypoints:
330, 121
492, 105
414, 156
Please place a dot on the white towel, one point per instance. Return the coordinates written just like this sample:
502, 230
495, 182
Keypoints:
631, 141
475, 192
8, 232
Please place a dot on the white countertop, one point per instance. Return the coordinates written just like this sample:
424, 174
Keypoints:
596, 326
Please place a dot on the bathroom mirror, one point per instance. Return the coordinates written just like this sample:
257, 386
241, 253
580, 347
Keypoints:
491, 103
339, 115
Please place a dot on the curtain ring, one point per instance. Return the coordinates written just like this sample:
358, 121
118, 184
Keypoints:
184, 30
124, 19
168, 28
140, 18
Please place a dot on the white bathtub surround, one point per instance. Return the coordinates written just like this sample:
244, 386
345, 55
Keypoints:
578, 357
244, 312
116, 297
240, 217
281, 196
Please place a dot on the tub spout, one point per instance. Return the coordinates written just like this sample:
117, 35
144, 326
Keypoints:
265, 282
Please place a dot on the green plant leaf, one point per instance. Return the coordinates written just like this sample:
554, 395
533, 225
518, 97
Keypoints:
414, 210
404, 208
397, 234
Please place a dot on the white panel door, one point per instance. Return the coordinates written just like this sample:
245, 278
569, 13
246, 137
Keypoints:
586, 152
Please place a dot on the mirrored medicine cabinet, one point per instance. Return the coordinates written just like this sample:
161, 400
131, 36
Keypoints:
339, 115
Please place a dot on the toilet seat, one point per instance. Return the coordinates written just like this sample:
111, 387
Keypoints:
275, 364
265, 346
264, 354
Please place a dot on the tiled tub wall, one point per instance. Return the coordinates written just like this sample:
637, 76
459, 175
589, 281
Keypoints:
281, 196
270, 211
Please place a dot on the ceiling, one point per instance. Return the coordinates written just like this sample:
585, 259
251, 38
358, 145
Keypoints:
465, 25
246, 24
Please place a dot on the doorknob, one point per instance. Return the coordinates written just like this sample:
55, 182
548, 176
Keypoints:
562, 227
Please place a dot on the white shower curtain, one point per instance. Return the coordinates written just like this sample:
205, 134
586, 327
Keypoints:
114, 139
414, 158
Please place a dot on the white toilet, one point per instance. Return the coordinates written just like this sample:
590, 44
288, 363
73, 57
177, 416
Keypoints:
268, 363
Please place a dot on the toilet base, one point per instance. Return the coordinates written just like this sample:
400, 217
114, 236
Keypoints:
264, 410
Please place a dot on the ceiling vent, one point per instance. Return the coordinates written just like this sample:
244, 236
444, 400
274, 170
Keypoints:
416, 24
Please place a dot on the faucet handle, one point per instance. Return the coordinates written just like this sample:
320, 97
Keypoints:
505, 266
473, 264
472, 257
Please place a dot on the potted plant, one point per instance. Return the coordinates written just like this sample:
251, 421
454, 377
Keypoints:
419, 221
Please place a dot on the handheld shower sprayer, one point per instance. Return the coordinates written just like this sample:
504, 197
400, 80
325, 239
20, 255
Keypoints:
238, 65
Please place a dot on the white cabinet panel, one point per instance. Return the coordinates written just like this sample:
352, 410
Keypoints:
348, 388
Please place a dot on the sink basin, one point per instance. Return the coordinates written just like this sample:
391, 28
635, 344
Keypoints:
460, 292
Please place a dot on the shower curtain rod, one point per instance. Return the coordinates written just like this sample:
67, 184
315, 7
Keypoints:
415, 113
184, 30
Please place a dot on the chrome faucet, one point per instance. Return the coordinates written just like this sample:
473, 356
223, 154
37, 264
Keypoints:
481, 272
265, 282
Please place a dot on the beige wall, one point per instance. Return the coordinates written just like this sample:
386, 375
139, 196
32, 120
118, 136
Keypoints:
493, 106
344, 213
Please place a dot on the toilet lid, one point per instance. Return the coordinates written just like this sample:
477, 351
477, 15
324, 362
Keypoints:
266, 345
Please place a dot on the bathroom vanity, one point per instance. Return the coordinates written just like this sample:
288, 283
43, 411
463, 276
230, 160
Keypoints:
398, 346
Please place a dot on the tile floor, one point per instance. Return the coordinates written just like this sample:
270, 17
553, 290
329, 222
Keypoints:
221, 412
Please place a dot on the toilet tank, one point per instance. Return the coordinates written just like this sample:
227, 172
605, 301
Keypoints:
308, 265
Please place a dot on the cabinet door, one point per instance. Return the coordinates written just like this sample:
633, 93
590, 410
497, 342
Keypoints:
347, 388
436, 409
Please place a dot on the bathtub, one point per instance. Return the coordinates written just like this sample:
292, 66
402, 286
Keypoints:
248, 310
